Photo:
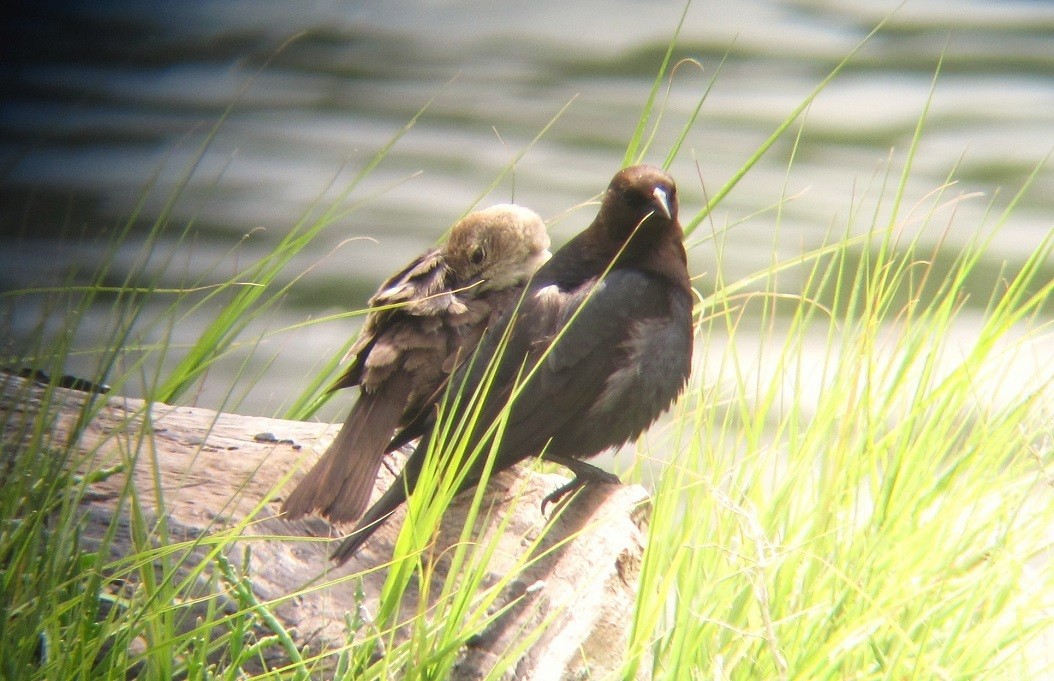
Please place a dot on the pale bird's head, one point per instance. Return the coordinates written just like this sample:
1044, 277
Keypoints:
497, 247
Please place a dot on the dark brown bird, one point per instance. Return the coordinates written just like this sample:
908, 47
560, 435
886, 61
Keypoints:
601, 343
426, 317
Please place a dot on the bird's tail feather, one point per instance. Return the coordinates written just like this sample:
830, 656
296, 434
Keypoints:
340, 483
379, 512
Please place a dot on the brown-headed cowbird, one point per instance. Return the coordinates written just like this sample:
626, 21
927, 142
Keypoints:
426, 318
600, 345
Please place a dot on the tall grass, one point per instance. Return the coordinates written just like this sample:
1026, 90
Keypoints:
844, 499
877, 509
860, 496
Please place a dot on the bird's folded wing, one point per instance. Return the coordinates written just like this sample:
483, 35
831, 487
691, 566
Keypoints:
578, 355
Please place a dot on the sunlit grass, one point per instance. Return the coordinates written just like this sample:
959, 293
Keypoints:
876, 509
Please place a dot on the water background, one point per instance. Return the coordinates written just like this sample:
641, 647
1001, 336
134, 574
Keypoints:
106, 108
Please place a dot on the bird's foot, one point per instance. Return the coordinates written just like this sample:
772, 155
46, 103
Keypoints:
584, 474
557, 495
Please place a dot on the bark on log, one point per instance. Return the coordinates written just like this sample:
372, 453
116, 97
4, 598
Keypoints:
214, 471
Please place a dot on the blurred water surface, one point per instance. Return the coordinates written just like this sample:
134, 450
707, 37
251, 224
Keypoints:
107, 108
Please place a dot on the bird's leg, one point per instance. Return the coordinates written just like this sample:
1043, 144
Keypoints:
388, 464
585, 473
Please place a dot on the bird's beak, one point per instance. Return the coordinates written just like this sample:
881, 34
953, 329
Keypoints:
662, 202
473, 282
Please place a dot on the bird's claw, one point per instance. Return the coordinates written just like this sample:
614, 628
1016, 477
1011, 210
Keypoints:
581, 480
558, 494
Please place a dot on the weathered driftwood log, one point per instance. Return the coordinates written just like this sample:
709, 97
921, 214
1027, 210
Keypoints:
215, 470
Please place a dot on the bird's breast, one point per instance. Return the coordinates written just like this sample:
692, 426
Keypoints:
655, 363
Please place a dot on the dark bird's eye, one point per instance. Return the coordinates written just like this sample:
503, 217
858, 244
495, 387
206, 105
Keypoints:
634, 199
477, 256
